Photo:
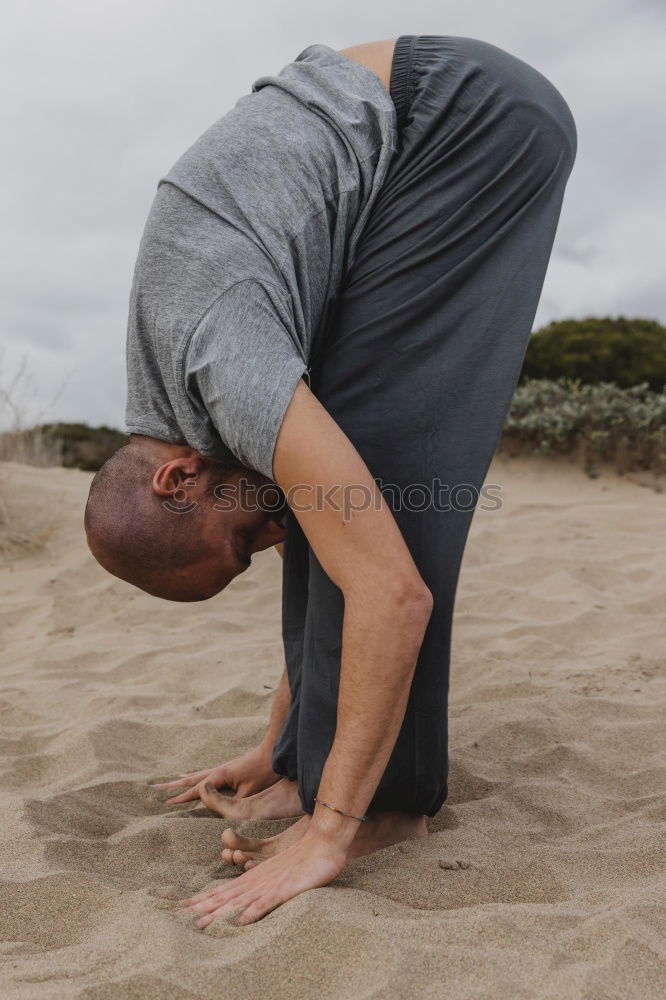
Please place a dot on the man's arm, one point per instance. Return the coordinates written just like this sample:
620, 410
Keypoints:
387, 604
279, 712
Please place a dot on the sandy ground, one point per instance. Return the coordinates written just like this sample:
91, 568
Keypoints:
557, 771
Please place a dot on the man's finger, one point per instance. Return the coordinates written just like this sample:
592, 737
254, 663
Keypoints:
199, 896
223, 893
176, 784
219, 897
187, 779
192, 793
222, 899
262, 906
217, 902
235, 905
212, 798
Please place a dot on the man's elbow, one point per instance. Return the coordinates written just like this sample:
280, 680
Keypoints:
412, 604
399, 604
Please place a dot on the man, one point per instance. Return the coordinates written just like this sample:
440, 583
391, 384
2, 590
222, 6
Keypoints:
334, 293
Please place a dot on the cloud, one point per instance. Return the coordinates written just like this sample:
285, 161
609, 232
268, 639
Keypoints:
99, 100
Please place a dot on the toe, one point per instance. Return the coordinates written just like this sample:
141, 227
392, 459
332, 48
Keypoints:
235, 842
230, 838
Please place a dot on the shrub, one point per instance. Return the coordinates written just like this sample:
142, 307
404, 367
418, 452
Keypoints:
85, 447
624, 351
75, 446
604, 421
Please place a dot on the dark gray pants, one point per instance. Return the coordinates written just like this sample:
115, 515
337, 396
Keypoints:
420, 363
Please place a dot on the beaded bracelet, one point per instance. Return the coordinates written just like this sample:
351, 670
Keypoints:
361, 819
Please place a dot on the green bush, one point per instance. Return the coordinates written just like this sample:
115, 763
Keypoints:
604, 421
620, 350
85, 447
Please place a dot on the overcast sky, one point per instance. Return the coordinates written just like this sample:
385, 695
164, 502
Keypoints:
100, 97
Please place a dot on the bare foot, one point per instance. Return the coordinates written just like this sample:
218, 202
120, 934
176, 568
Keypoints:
384, 829
279, 801
381, 830
248, 852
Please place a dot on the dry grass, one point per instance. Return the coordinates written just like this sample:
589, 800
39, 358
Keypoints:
23, 527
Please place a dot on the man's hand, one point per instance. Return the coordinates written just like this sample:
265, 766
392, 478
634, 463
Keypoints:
245, 775
248, 774
312, 862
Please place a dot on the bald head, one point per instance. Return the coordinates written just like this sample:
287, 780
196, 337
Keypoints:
138, 536
154, 518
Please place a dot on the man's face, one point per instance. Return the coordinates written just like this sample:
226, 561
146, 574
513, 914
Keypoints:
234, 518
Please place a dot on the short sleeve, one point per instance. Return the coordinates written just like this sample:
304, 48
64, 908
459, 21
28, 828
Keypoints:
241, 368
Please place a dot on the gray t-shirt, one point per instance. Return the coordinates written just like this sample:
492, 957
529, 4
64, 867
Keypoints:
247, 243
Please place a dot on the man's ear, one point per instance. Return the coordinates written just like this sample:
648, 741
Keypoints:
174, 474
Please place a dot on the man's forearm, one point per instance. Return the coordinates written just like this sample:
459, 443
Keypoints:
281, 702
381, 643
279, 711
387, 604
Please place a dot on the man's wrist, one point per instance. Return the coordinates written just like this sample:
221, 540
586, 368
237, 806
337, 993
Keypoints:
264, 750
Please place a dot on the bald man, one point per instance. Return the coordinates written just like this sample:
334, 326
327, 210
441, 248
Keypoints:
330, 310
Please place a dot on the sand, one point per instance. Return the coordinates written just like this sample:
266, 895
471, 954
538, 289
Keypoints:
541, 875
